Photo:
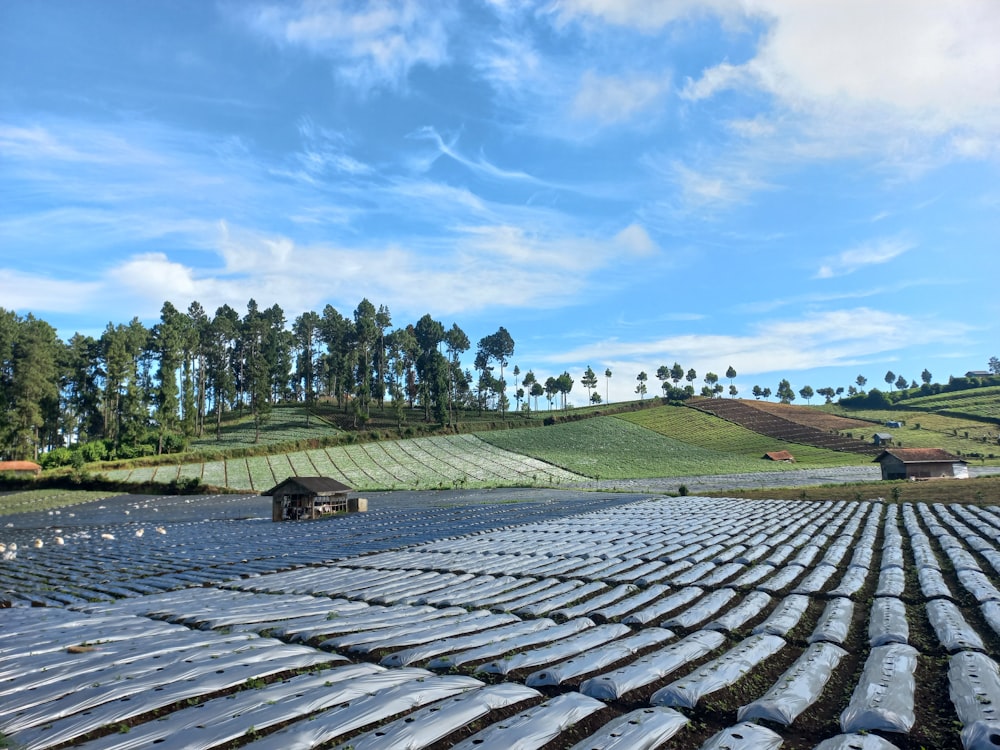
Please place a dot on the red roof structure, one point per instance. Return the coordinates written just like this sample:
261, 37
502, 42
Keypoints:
779, 456
20, 466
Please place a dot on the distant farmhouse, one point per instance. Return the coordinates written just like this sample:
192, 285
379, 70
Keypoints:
779, 456
20, 468
882, 438
921, 463
306, 498
979, 374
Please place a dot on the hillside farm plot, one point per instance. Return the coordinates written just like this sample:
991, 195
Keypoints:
711, 432
703, 621
613, 448
419, 463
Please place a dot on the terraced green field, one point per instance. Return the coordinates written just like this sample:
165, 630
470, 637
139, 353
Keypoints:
980, 402
707, 431
419, 463
929, 430
616, 448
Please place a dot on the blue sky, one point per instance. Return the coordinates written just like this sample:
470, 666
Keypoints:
797, 189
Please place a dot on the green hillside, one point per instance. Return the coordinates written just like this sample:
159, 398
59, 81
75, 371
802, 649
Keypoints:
710, 432
619, 448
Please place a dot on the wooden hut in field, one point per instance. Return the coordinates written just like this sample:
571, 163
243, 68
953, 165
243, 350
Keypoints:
921, 463
779, 456
304, 498
20, 468
882, 438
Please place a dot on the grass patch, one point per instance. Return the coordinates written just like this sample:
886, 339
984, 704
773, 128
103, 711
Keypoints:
976, 491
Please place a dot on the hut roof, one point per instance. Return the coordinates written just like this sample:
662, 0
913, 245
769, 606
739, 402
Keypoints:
19, 466
779, 456
918, 456
317, 485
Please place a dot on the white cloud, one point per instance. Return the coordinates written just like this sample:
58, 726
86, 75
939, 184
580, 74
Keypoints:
374, 44
922, 66
647, 15
867, 254
635, 240
614, 99
816, 340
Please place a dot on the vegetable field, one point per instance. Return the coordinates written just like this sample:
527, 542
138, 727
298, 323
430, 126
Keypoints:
674, 623
620, 448
419, 463
707, 431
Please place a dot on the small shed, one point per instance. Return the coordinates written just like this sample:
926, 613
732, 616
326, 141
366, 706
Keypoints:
779, 456
921, 463
882, 438
302, 498
20, 468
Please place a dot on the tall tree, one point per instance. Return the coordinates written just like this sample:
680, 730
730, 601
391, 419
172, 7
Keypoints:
640, 388
730, 373
456, 343
807, 393
711, 380
589, 380
195, 378
890, 378
220, 352
529, 382
32, 409
306, 330
607, 384
926, 376
565, 384
168, 341
785, 393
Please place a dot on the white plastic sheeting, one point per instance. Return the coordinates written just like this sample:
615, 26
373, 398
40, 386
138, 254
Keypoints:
620, 609
642, 729
744, 736
751, 606
600, 657
883, 697
664, 606
592, 604
834, 624
547, 634
534, 727
552, 652
891, 582
974, 685
363, 711
932, 583
652, 667
429, 724
887, 622
479, 638
798, 688
718, 673
953, 632
785, 616
856, 742
212, 721
701, 610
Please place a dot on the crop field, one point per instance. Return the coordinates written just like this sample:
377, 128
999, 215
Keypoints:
981, 402
418, 463
46, 500
617, 448
284, 424
929, 430
574, 622
711, 432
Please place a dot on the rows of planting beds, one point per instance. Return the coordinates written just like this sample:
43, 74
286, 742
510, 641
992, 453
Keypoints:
452, 460
683, 623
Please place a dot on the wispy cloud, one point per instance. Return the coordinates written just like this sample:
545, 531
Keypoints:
870, 253
371, 45
615, 99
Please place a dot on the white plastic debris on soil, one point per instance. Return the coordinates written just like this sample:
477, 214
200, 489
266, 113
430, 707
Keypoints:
883, 697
